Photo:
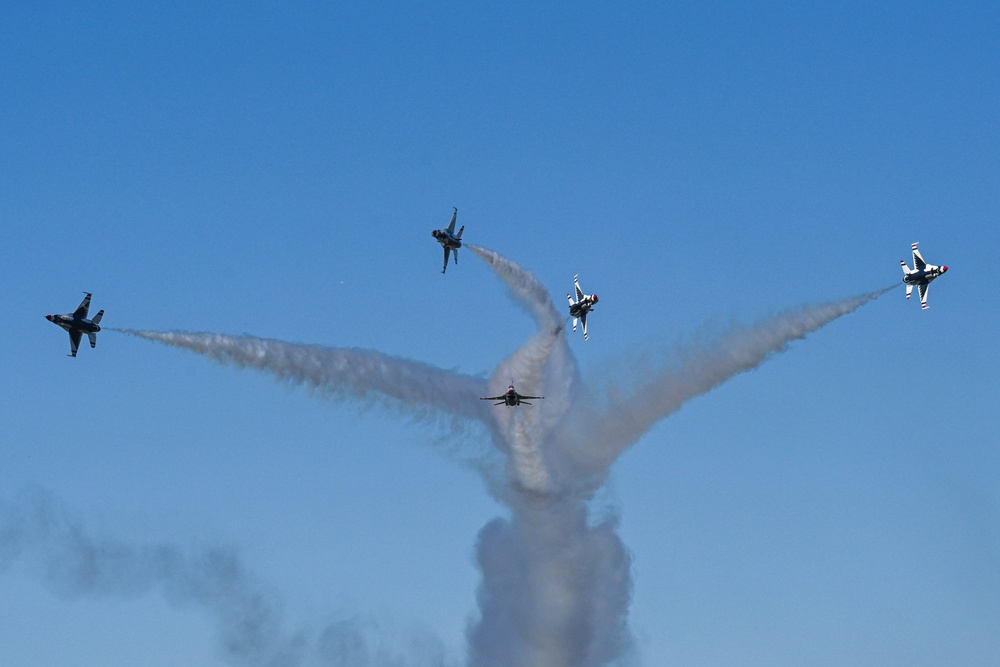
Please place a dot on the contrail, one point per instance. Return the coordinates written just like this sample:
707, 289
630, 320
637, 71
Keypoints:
368, 375
556, 584
529, 293
616, 414
523, 286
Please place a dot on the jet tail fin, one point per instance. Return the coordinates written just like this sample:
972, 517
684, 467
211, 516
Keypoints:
93, 339
97, 317
906, 270
462, 229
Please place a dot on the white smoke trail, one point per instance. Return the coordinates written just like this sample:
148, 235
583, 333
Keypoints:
523, 286
562, 377
419, 388
555, 586
515, 430
616, 415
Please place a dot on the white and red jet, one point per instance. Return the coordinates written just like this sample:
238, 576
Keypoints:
579, 308
920, 275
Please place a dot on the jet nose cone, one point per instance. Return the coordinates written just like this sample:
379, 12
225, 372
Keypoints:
943, 269
48, 317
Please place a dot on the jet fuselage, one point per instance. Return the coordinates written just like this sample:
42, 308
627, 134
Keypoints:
70, 323
446, 239
925, 275
580, 307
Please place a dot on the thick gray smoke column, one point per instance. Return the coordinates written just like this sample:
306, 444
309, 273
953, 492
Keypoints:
556, 585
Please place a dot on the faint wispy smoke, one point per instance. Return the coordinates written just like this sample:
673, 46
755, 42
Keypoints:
75, 563
556, 582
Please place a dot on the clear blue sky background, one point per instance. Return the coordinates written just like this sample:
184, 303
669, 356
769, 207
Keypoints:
277, 169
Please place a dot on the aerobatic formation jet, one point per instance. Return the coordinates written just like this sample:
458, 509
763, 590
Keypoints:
583, 304
449, 240
510, 398
920, 275
77, 324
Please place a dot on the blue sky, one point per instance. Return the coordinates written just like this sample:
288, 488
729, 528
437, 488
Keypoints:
276, 171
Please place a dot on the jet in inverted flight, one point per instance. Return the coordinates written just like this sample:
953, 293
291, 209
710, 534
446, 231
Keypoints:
510, 398
920, 275
77, 324
583, 304
449, 240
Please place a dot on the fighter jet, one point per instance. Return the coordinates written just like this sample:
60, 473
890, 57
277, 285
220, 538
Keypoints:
920, 275
77, 324
579, 308
449, 240
510, 398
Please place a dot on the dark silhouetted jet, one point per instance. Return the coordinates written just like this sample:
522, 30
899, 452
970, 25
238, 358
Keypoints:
77, 324
449, 239
510, 398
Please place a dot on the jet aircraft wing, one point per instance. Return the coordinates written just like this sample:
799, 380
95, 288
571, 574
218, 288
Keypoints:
451, 225
918, 261
81, 310
74, 340
579, 292
922, 288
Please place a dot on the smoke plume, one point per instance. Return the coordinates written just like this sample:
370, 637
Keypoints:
556, 582
75, 563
